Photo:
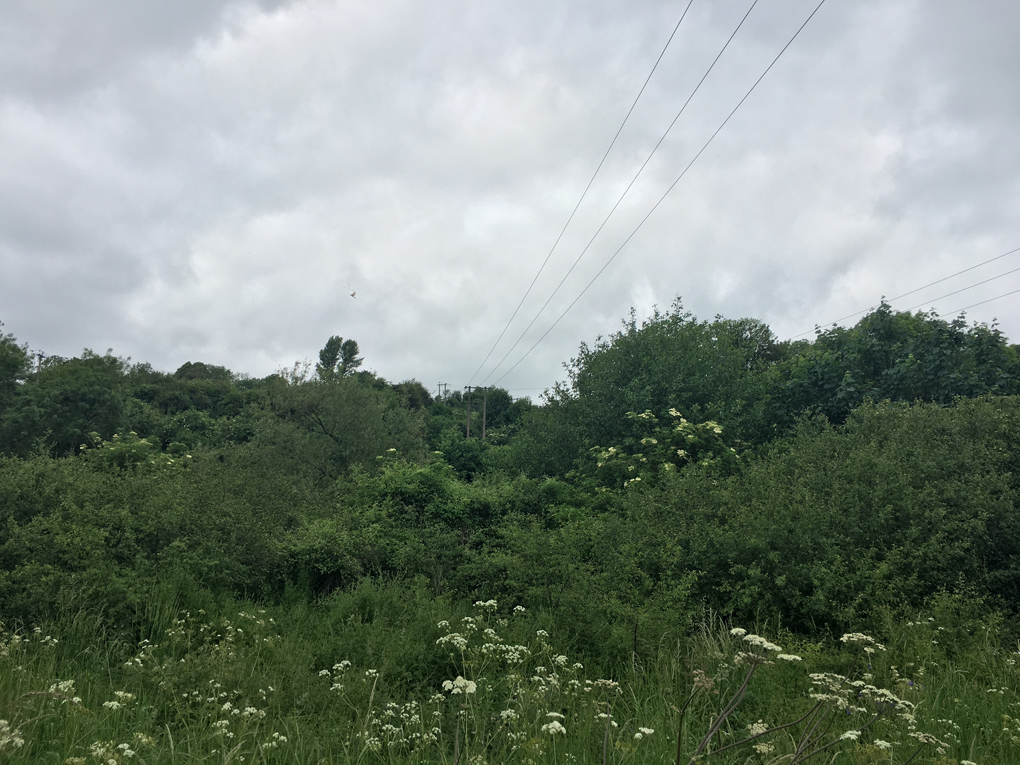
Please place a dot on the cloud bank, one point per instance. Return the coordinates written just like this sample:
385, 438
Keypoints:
209, 181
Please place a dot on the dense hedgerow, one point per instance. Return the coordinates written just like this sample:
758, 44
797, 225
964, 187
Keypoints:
205, 567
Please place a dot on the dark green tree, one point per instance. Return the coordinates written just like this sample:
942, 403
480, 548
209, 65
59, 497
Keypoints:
66, 402
323, 429
339, 358
14, 367
414, 394
897, 356
714, 370
197, 370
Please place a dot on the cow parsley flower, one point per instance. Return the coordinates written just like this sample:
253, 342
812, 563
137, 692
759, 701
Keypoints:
460, 685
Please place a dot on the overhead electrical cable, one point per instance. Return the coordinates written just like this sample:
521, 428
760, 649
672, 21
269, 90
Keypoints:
962, 289
585, 192
671, 187
972, 305
940, 315
626, 190
911, 292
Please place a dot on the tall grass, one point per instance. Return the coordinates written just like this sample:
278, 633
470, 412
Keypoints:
387, 674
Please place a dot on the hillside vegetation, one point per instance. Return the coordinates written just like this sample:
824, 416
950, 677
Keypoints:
319, 566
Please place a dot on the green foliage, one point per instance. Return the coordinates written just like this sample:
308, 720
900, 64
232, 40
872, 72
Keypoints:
103, 527
414, 394
465, 455
64, 403
202, 387
128, 452
14, 367
323, 429
900, 503
549, 442
338, 358
708, 370
896, 356
200, 371
876, 478
332, 682
654, 448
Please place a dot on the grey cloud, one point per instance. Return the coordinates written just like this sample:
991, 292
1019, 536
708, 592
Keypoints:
204, 180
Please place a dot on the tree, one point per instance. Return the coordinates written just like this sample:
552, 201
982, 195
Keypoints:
897, 356
414, 394
68, 401
14, 367
323, 429
714, 370
197, 370
339, 358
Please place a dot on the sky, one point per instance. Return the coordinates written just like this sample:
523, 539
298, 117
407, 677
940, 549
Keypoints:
208, 180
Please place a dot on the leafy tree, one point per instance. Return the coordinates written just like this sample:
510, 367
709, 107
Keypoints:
200, 371
548, 442
69, 400
500, 410
897, 356
465, 455
205, 387
14, 367
323, 429
714, 370
414, 394
339, 358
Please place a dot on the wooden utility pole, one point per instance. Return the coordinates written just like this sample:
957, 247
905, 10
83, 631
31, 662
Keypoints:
441, 389
469, 413
485, 400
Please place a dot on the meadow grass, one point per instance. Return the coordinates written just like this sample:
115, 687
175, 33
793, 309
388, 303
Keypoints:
387, 674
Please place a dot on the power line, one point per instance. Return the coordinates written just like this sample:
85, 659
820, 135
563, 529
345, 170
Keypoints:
671, 187
626, 190
926, 286
963, 289
585, 192
944, 313
973, 305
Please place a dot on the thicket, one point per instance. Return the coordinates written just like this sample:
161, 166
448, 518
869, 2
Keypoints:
688, 475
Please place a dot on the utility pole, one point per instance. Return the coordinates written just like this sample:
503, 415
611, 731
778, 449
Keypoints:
38, 368
485, 400
469, 412
441, 389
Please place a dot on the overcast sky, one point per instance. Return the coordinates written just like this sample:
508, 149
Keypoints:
198, 180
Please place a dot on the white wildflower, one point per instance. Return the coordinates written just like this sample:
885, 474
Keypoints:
460, 685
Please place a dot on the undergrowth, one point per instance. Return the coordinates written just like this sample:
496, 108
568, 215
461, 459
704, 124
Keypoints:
384, 674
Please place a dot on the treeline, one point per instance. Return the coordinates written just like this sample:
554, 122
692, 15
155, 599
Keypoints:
683, 465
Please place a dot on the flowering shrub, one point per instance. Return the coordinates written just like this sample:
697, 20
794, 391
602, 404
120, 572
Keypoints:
661, 446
